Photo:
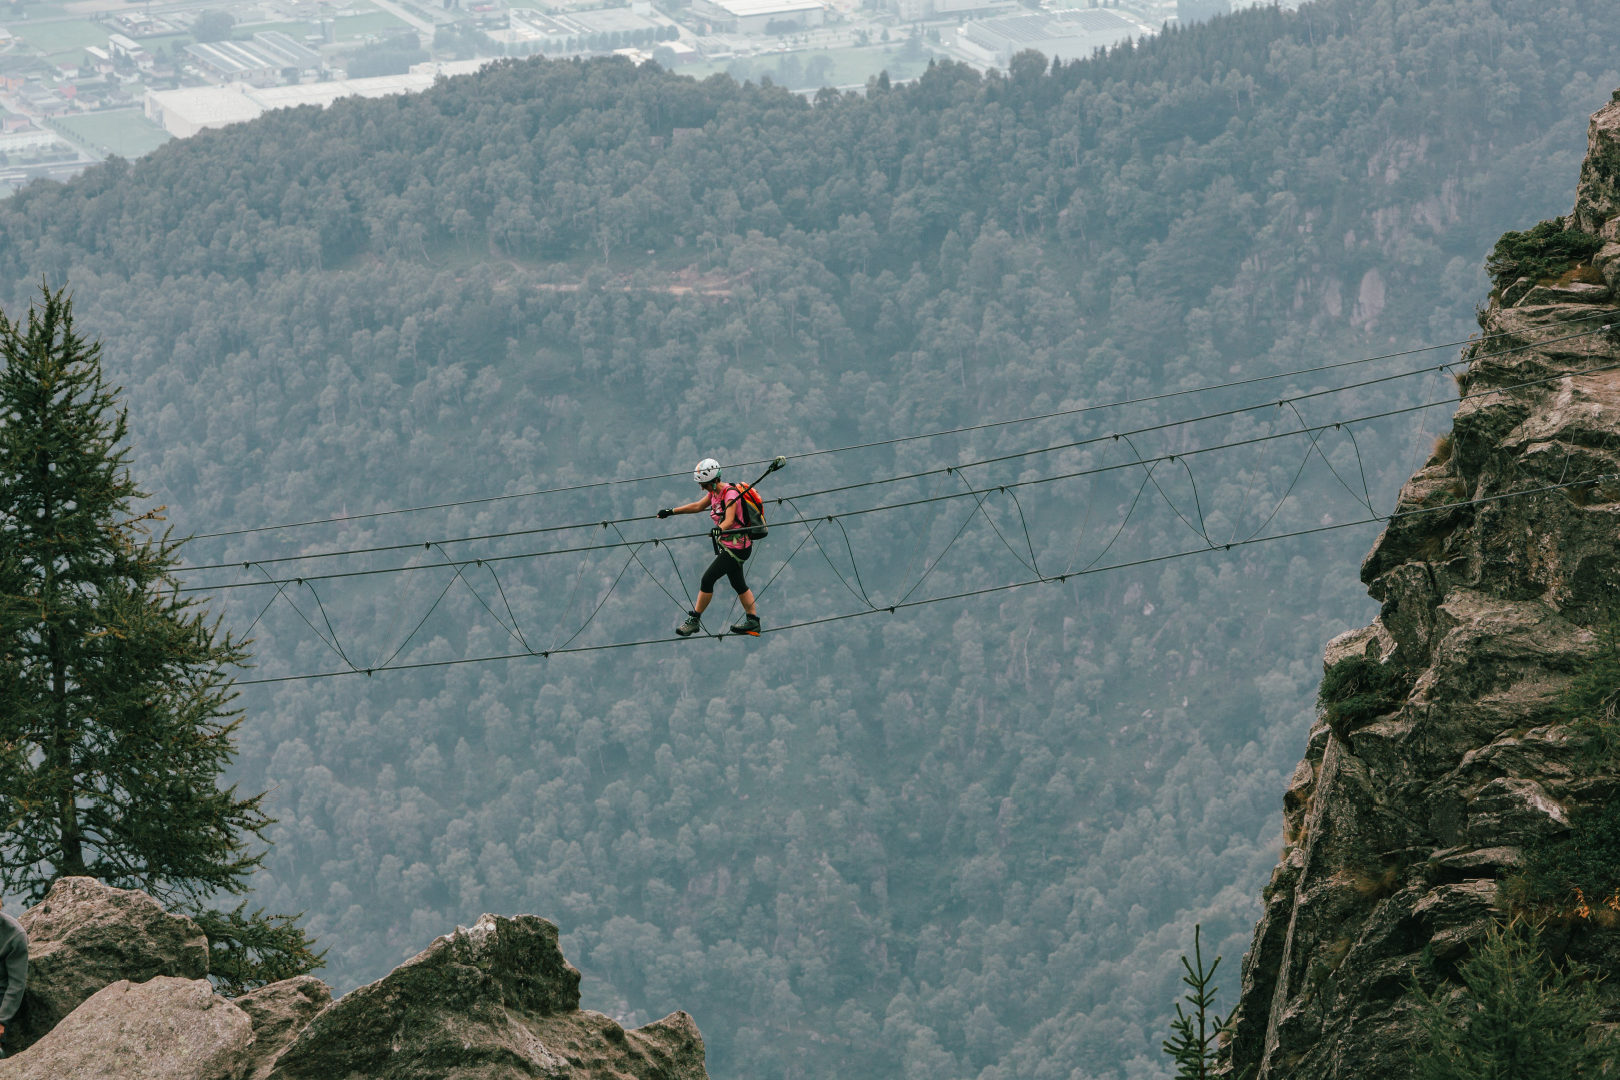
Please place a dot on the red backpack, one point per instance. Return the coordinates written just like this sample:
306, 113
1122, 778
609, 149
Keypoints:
750, 513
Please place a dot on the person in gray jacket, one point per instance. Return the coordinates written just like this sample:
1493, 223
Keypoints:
13, 968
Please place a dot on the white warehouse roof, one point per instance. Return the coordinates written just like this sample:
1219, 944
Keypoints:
744, 9
186, 112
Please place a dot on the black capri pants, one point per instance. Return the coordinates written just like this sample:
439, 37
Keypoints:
728, 565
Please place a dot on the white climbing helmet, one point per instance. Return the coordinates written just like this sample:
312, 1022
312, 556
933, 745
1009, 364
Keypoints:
707, 471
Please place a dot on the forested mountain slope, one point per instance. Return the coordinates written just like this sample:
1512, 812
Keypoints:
966, 839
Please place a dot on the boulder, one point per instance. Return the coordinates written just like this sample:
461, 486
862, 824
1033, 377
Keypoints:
674, 1044
163, 1029
496, 1001
279, 1012
1514, 810
1575, 292
1597, 194
85, 935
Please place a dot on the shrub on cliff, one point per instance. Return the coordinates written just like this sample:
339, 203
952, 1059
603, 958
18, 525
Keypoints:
1517, 1016
1579, 874
1546, 250
1357, 690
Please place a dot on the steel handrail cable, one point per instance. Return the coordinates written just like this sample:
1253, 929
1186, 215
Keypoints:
1057, 579
1229, 445
1199, 419
1078, 410
595, 523
1336, 424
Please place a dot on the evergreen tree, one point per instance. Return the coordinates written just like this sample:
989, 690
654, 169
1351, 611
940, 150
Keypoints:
1195, 1035
1518, 1016
116, 706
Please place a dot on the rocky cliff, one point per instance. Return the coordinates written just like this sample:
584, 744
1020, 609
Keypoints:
1407, 814
118, 990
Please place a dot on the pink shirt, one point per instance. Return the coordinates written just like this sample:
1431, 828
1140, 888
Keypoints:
719, 499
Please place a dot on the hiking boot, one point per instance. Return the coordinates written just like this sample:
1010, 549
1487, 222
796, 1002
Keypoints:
749, 626
692, 625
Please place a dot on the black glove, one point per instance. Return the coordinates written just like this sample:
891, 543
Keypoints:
664, 513
715, 532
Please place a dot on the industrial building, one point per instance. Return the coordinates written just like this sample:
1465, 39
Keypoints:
760, 16
565, 33
1071, 35
524, 38
20, 142
183, 113
259, 62
922, 10
120, 47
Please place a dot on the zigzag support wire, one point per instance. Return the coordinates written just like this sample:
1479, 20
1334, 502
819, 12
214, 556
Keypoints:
599, 604
859, 594
1200, 530
1315, 437
637, 557
979, 500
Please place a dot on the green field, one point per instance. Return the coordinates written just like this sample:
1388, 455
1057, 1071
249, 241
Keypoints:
125, 132
375, 22
57, 37
166, 42
294, 30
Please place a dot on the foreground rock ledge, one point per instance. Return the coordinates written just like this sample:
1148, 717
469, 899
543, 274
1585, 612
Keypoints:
119, 992
492, 1001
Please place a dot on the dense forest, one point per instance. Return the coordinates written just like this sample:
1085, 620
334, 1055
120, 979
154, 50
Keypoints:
967, 839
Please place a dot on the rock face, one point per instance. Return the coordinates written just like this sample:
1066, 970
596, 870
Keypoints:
85, 935
1397, 826
491, 1002
162, 1029
279, 1012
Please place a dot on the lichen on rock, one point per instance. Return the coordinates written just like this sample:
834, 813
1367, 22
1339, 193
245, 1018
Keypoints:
118, 991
